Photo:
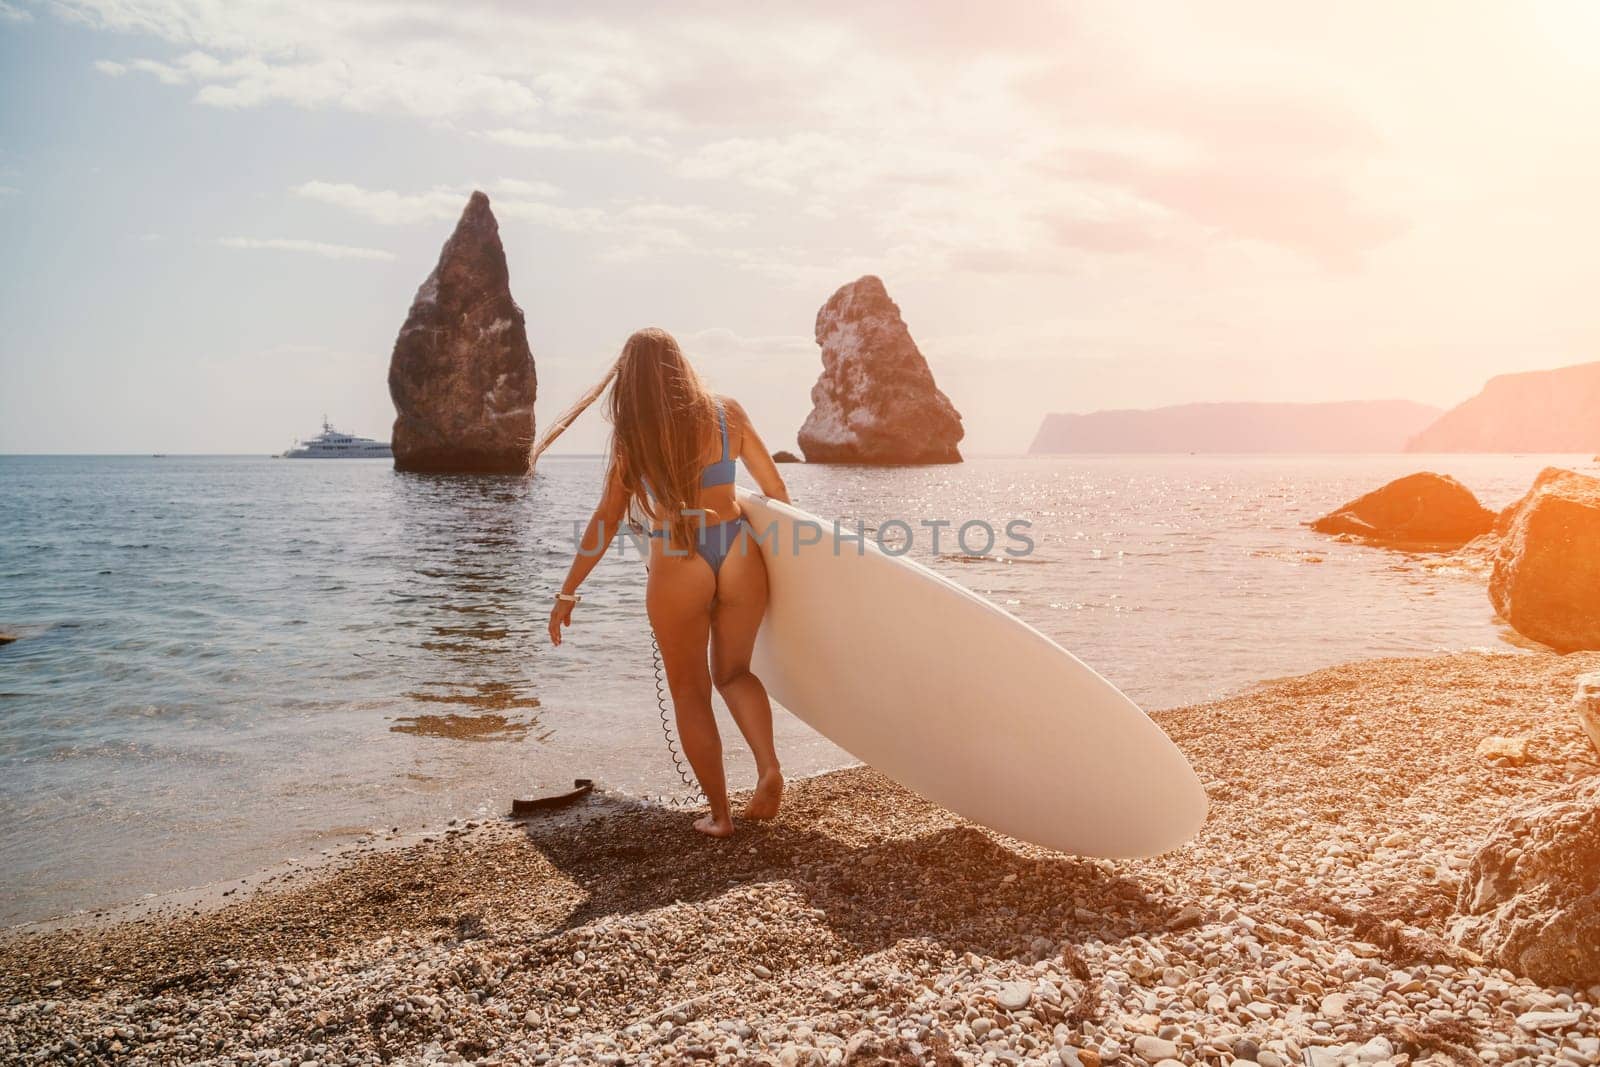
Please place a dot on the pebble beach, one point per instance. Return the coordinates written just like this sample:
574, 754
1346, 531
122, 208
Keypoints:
1307, 923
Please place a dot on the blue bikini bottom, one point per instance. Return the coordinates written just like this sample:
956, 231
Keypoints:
714, 542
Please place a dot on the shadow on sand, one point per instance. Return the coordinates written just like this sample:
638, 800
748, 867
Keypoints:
957, 885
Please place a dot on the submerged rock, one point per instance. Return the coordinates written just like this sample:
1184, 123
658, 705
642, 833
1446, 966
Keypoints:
876, 401
1531, 897
1546, 580
462, 376
1423, 511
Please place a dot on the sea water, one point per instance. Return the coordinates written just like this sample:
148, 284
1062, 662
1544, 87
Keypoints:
226, 661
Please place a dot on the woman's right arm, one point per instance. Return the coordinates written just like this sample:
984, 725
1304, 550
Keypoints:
597, 537
753, 453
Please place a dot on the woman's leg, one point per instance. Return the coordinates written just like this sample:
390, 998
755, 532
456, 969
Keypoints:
678, 599
741, 602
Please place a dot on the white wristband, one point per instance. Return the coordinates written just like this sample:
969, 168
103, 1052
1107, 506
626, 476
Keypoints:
570, 598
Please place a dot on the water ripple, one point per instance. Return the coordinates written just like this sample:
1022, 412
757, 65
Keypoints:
216, 656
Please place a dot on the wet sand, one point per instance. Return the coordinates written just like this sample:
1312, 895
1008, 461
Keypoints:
1306, 923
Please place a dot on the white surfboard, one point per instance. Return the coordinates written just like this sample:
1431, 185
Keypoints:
962, 702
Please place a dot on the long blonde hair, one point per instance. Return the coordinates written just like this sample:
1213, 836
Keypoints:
661, 416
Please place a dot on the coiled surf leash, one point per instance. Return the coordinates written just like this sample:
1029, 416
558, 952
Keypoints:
522, 807
695, 797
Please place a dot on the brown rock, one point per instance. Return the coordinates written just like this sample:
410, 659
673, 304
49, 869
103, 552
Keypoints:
1546, 580
1531, 896
1512, 750
1422, 512
783, 455
1589, 707
462, 376
876, 401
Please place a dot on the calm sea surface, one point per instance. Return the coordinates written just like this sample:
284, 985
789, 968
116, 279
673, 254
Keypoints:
226, 661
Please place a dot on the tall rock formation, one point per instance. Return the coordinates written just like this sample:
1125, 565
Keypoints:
1347, 426
462, 376
1539, 411
875, 401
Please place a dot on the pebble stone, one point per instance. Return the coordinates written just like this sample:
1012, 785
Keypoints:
868, 927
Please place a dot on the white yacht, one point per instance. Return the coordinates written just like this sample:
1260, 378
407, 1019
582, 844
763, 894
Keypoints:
334, 444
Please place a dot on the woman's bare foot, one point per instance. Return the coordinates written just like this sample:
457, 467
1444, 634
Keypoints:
712, 826
768, 795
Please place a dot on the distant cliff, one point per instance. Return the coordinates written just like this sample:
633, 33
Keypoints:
1356, 426
1538, 411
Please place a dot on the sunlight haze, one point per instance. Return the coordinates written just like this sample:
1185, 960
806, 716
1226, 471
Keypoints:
215, 216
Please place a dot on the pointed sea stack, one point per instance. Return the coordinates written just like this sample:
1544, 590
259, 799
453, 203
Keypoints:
462, 376
875, 401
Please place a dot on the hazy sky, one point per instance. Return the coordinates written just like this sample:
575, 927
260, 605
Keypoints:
213, 216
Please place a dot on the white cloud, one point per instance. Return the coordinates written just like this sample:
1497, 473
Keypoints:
543, 139
1347, 187
162, 72
523, 187
710, 218
315, 248
11, 13
384, 205
960, 140
373, 83
555, 216
776, 164
720, 342
514, 198
110, 68
632, 230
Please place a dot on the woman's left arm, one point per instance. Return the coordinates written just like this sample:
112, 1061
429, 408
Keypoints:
597, 537
753, 452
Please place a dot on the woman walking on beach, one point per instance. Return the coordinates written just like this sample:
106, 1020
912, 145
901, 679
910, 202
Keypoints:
671, 468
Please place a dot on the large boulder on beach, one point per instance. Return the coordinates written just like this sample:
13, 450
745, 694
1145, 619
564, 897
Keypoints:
876, 401
1588, 706
462, 376
1546, 579
1422, 512
1531, 896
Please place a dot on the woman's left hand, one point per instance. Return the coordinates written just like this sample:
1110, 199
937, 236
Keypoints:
560, 615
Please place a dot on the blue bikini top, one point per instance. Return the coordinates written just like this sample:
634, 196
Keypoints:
722, 471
